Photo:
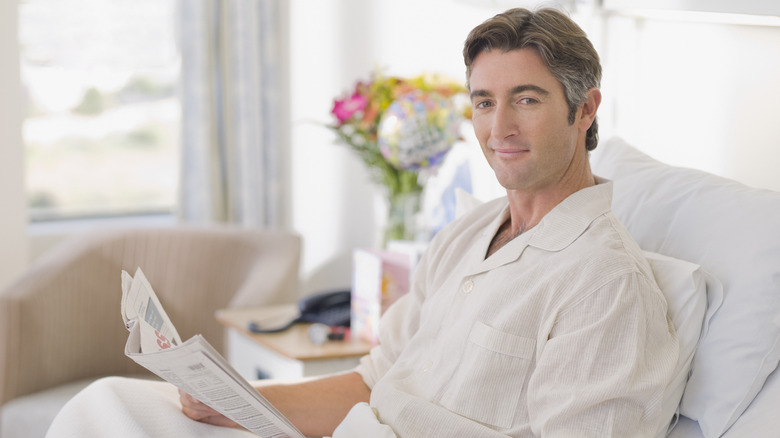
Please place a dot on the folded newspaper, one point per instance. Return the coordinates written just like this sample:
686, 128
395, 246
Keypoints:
194, 366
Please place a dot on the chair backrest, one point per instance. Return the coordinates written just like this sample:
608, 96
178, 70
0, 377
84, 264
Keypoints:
60, 321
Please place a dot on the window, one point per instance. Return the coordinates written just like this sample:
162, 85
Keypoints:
101, 129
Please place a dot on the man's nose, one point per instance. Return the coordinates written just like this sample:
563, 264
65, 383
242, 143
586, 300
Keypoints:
504, 122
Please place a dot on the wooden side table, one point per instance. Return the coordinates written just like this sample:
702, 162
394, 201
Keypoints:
285, 355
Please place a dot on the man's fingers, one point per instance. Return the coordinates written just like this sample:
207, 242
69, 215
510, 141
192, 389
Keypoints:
199, 411
193, 407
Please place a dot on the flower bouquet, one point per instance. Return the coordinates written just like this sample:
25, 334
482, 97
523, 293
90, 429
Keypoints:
400, 127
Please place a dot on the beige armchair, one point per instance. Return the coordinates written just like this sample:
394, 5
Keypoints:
60, 322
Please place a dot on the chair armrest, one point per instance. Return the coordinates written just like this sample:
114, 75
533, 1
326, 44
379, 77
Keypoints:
59, 323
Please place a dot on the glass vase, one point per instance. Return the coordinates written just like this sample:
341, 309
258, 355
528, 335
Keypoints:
402, 212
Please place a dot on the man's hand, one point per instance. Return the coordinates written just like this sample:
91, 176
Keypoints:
314, 406
199, 411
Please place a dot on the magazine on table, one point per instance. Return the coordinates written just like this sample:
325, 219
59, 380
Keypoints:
193, 365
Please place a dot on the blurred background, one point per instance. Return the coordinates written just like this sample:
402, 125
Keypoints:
160, 112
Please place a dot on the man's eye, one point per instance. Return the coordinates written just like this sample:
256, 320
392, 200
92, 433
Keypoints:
483, 104
528, 101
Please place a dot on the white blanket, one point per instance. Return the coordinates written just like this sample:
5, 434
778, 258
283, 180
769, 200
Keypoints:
131, 408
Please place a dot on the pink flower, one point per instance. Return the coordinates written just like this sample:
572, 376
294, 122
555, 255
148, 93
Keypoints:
346, 108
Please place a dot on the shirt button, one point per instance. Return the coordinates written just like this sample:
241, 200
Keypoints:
467, 287
427, 366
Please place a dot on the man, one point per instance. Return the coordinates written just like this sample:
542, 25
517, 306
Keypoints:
533, 315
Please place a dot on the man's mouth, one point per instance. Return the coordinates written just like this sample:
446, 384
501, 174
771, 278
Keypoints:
509, 152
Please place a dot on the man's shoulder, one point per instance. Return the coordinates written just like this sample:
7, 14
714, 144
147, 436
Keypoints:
608, 250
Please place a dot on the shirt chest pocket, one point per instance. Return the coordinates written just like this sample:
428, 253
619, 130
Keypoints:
488, 383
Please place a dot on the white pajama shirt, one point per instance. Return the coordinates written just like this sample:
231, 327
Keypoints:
562, 332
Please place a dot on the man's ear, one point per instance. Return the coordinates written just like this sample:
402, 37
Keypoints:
589, 108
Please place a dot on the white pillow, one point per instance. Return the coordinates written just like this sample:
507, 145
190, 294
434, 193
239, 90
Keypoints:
733, 232
685, 287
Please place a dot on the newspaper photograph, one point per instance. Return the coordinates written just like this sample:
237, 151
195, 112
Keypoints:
194, 366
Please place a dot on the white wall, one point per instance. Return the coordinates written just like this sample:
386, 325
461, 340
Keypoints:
329, 189
696, 94
13, 229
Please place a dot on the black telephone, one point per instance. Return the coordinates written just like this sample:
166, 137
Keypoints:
330, 308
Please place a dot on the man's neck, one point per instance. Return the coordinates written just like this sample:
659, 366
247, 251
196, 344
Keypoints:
503, 236
526, 209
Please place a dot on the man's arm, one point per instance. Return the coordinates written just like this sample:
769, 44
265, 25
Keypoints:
606, 365
315, 407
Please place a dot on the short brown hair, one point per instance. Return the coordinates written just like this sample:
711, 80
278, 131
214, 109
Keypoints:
561, 43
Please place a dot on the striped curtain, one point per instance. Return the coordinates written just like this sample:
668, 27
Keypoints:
233, 111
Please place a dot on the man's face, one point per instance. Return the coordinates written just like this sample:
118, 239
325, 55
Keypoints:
520, 118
